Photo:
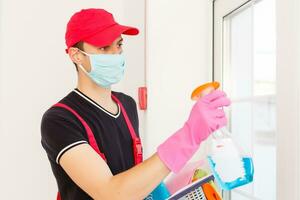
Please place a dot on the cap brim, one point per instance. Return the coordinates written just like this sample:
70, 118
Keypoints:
108, 35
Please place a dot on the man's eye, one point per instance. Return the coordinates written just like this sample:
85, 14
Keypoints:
103, 48
120, 44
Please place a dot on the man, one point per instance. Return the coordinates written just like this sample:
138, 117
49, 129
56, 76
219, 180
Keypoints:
94, 44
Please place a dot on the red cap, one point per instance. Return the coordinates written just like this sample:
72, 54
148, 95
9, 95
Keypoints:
96, 27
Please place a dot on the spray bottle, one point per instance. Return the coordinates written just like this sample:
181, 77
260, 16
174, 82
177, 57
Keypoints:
227, 161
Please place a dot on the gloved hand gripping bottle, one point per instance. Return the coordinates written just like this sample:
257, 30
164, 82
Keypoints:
228, 163
204, 119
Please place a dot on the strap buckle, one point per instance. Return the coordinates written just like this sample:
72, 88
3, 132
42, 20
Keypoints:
137, 150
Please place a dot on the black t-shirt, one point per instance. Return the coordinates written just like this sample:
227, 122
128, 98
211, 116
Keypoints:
61, 130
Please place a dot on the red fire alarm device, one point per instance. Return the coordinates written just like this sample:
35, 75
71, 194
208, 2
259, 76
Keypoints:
143, 98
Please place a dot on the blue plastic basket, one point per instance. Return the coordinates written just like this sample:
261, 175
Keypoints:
248, 178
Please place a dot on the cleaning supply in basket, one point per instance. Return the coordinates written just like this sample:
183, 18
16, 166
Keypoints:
210, 192
227, 162
198, 174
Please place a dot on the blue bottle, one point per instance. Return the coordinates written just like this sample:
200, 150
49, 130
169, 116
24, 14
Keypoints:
159, 193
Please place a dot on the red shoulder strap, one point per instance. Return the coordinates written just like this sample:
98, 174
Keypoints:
136, 142
130, 127
91, 138
58, 197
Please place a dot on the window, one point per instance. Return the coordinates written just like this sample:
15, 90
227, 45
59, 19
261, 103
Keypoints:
247, 70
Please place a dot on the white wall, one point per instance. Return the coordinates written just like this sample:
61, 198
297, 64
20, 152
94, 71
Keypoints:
178, 59
288, 66
35, 72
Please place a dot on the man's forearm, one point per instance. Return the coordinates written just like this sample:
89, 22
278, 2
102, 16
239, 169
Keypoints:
139, 181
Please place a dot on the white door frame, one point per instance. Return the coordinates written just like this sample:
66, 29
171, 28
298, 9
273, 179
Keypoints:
288, 86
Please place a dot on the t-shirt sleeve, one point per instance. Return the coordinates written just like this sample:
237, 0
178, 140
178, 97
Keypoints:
60, 131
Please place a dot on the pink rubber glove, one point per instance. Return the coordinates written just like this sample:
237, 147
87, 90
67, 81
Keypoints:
205, 118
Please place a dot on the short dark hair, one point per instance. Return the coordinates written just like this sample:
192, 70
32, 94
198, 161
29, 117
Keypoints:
78, 45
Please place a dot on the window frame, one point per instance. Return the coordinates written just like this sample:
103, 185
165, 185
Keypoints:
288, 100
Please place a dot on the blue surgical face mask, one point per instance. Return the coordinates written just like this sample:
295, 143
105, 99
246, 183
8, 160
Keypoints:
106, 69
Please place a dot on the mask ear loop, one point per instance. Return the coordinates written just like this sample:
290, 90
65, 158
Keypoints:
82, 68
84, 52
80, 65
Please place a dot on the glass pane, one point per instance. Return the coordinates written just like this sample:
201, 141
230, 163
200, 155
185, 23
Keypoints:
264, 149
264, 120
265, 171
264, 47
239, 64
241, 124
249, 75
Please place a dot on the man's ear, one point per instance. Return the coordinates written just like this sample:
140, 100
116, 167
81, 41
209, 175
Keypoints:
74, 55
